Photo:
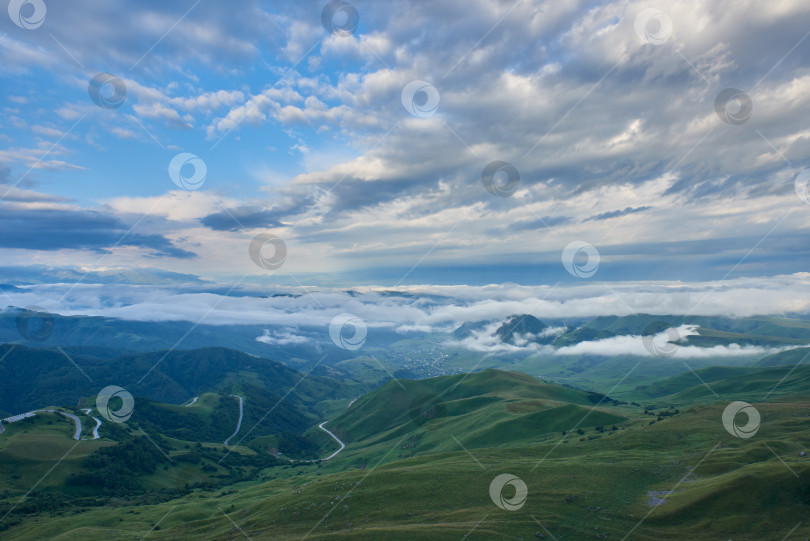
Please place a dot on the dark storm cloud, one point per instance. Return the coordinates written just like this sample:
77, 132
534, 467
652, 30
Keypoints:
49, 230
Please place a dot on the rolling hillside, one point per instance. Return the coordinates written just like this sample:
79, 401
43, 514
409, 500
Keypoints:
777, 383
789, 357
486, 408
659, 476
33, 375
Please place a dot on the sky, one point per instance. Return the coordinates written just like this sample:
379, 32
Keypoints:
406, 143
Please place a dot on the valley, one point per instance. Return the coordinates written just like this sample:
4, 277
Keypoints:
244, 450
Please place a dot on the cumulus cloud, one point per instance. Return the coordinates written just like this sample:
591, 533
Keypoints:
634, 345
566, 92
282, 338
487, 341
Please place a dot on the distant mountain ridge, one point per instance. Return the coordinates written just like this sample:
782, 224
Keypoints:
33, 377
790, 357
712, 331
521, 328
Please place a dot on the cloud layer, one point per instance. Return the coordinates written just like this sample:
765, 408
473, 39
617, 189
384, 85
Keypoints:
424, 308
615, 138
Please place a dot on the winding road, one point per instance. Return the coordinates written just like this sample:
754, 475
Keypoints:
342, 445
239, 427
88, 411
193, 401
239, 422
78, 422
95, 430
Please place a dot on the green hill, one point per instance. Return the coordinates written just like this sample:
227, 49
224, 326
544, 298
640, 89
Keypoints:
33, 377
791, 357
599, 485
725, 383
419, 459
686, 380
491, 407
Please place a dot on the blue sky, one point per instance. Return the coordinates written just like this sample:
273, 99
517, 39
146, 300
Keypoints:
606, 112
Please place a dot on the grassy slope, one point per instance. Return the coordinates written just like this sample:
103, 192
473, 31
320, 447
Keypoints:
580, 487
738, 490
31, 447
723, 383
791, 356
686, 380
479, 401
491, 408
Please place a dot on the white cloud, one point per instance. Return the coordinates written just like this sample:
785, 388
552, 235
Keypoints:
486, 341
420, 309
634, 345
177, 205
209, 102
282, 338
160, 111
